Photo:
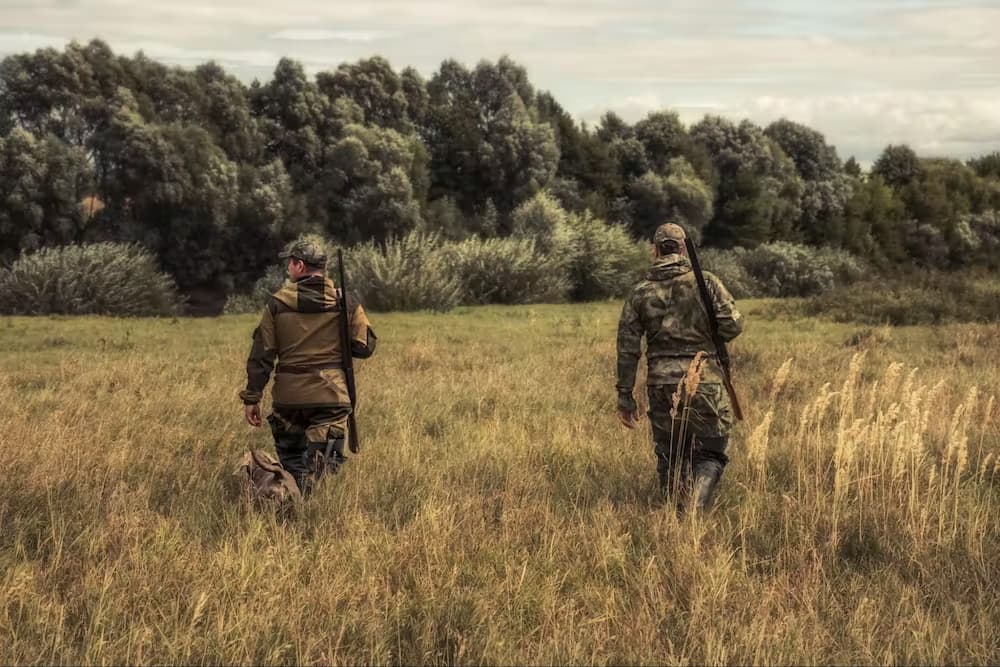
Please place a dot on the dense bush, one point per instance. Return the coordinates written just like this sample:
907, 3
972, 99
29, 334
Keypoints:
552, 256
94, 279
263, 288
410, 273
602, 260
510, 271
789, 269
541, 219
728, 266
918, 298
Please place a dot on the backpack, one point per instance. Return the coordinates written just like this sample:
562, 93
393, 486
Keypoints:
265, 480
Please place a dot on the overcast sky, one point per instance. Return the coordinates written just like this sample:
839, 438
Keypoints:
864, 72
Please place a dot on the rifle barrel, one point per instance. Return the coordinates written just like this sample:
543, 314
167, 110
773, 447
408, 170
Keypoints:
713, 323
347, 359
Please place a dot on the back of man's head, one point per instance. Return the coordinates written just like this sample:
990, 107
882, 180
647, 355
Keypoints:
669, 239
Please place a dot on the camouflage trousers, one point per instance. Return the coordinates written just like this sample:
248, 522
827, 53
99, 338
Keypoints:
301, 438
693, 431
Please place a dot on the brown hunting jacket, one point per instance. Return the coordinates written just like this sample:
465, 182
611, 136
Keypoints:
301, 328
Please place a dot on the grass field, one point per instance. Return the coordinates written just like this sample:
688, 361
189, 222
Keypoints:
499, 513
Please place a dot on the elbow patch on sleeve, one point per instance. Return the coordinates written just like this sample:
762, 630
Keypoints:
363, 351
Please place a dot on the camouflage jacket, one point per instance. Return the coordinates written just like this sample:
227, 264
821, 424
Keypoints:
667, 309
301, 328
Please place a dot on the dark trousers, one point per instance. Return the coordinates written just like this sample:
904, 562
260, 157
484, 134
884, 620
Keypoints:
692, 433
301, 439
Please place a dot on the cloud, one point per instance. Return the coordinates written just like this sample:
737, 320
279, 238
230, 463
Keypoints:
26, 41
313, 35
858, 124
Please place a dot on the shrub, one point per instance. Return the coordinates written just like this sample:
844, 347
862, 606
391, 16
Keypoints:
789, 269
541, 219
917, 298
510, 271
602, 260
257, 297
92, 279
410, 273
728, 266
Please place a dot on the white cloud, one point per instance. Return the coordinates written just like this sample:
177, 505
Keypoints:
26, 41
314, 35
858, 124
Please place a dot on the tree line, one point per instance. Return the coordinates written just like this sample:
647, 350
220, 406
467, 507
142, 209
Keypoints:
213, 175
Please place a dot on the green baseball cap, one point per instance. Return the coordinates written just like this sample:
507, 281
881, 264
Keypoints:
308, 251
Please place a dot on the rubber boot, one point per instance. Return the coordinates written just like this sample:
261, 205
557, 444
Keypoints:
323, 458
707, 474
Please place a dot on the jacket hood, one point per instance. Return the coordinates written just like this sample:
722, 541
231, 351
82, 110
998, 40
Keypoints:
312, 294
669, 266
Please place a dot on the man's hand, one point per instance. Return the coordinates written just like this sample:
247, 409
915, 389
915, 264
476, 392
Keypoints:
628, 411
252, 414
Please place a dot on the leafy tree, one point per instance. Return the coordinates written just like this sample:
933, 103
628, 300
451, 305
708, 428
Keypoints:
415, 91
898, 166
852, 168
613, 127
813, 157
365, 187
268, 213
874, 221
485, 143
375, 87
656, 199
42, 185
171, 188
225, 112
663, 137
540, 219
986, 166
298, 121
759, 193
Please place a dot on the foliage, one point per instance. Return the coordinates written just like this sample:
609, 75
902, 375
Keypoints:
602, 260
788, 269
409, 273
254, 300
43, 183
90, 279
213, 175
728, 266
898, 166
923, 297
483, 139
507, 271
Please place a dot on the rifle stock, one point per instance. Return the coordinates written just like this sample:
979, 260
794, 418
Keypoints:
347, 359
720, 345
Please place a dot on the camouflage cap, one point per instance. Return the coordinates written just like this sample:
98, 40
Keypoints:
309, 252
669, 232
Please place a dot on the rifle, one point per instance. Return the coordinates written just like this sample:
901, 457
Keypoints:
713, 323
347, 359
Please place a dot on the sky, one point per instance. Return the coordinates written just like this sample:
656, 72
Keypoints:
866, 73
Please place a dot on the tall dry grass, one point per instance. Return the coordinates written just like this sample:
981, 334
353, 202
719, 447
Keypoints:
498, 513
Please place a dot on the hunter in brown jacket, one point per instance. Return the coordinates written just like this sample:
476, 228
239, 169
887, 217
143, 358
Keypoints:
300, 327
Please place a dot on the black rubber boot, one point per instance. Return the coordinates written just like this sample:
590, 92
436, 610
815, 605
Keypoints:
708, 461
707, 474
